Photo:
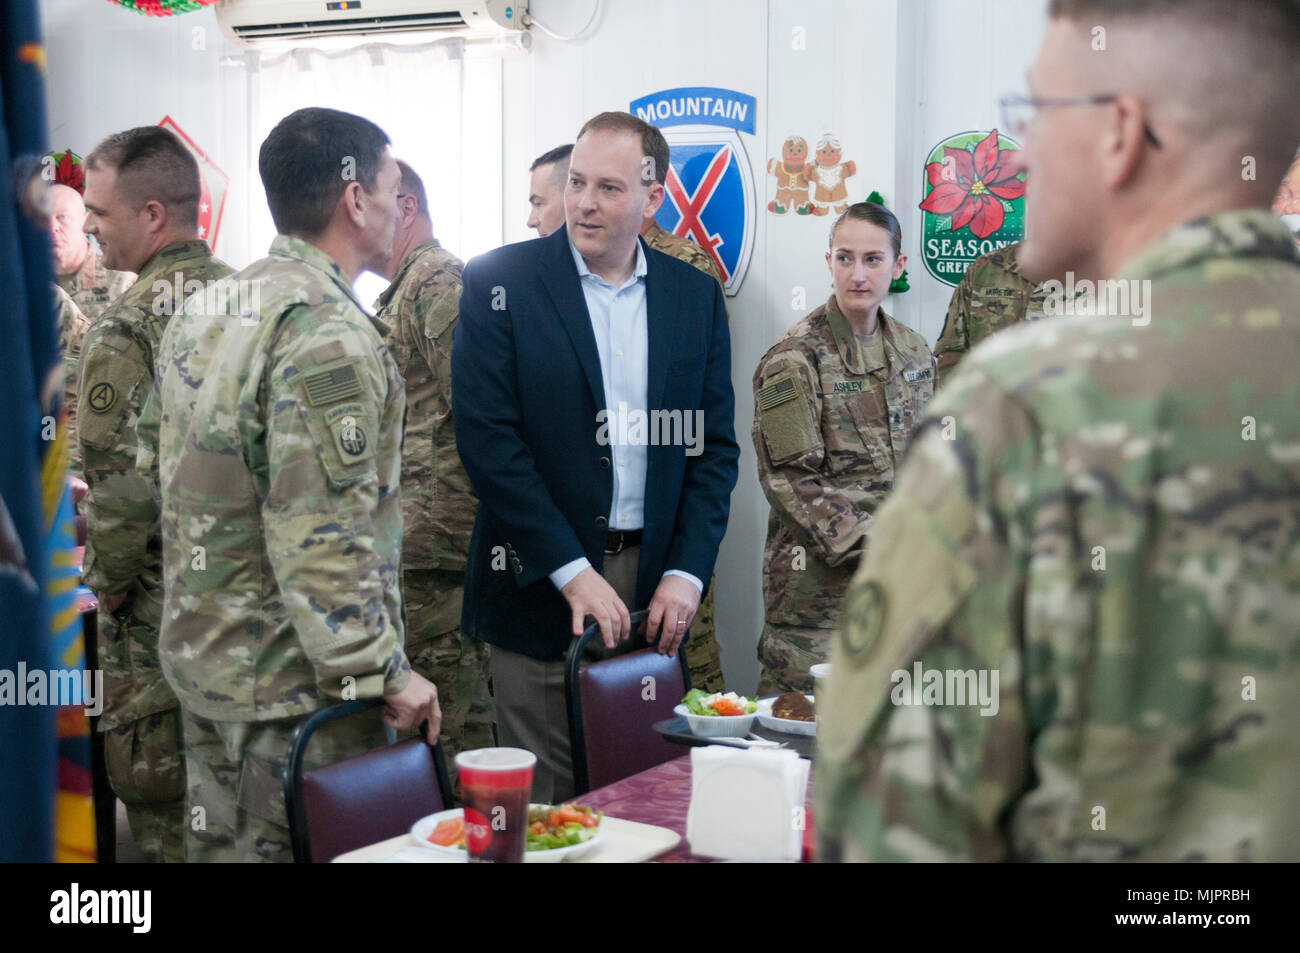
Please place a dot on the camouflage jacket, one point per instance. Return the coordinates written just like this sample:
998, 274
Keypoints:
123, 549
828, 430
72, 326
420, 309
683, 249
276, 424
992, 295
92, 286
1109, 526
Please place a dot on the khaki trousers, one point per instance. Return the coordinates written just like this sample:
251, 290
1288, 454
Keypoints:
529, 694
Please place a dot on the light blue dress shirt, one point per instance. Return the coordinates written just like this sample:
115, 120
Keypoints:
619, 323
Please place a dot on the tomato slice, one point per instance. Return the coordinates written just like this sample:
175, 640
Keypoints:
590, 820
568, 814
449, 833
725, 706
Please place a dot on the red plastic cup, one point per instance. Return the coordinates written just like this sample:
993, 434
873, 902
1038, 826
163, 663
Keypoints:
495, 784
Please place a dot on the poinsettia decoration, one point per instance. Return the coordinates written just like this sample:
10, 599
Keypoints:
970, 184
162, 8
69, 171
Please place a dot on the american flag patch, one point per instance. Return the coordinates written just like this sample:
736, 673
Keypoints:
329, 387
777, 393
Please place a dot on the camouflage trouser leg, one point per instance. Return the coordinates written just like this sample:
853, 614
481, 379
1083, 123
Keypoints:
788, 654
455, 663
703, 655
146, 773
235, 770
141, 729
159, 830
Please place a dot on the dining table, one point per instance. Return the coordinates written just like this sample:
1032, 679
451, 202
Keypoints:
662, 796
658, 798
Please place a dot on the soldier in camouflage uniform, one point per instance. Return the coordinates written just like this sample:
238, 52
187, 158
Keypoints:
680, 248
992, 295
123, 561
703, 655
834, 408
1101, 510
78, 264
276, 429
419, 309
72, 326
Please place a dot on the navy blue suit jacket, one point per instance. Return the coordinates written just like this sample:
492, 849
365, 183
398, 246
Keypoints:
526, 390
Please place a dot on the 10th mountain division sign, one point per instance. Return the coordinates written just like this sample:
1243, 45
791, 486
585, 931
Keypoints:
973, 204
710, 185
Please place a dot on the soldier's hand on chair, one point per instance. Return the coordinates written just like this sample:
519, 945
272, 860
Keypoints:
674, 605
590, 595
413, 704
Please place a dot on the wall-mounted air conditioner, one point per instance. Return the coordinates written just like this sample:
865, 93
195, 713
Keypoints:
299, 22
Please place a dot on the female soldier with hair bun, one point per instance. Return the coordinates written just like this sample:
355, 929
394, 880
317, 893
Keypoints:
834, 403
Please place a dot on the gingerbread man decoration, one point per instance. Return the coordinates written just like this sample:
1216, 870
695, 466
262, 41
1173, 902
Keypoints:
828, 175
791, 173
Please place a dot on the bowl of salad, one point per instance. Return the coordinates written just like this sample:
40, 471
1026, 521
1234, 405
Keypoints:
555, 832
719, 715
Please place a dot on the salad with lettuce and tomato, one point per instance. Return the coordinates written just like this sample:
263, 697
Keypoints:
549, 826
719, 703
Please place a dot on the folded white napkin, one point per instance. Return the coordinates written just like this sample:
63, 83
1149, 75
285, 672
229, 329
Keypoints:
747, 804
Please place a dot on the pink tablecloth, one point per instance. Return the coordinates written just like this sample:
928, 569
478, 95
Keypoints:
660, 795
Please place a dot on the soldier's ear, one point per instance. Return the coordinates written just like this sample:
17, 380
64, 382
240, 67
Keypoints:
155, 215
899, 264
410, 207
351, 201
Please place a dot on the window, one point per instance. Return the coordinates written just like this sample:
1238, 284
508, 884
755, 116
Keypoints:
439, 104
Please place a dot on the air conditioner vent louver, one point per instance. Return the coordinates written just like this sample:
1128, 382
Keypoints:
390, 24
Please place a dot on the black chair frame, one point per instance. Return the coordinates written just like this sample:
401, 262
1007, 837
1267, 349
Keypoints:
293, 802
102, 796
573, 698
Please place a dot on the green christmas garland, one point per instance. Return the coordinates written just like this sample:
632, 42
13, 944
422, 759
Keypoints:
163, 8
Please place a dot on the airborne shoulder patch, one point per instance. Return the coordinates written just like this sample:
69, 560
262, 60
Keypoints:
332, 385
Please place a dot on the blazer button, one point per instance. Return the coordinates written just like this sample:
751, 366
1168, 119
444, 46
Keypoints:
601, 521
604, 463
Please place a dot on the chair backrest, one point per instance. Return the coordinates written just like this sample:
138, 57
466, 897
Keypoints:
348, 804
610, 715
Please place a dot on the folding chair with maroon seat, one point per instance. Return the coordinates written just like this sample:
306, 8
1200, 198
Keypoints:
610, 718
348, 804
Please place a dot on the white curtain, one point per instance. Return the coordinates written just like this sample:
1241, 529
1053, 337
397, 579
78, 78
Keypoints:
440, 107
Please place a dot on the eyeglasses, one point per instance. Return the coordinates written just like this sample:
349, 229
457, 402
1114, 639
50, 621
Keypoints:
1018, 112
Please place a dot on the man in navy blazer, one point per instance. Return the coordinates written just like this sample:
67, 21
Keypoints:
592, 399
